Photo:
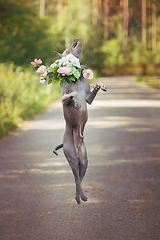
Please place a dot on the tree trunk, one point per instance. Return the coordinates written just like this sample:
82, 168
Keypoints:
106, 19
67, 37
154, 34
95, 12
59, 8
100, 16
149, 24
42, 8
125, 27
121, 3
144, 23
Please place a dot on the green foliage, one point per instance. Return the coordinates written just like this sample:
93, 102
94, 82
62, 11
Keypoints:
24, 36
153, 81
114, 53
93, 56
158, 41
137, 54
22, 96
54, 74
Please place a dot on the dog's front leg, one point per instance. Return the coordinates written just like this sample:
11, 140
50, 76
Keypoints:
92, 94
66, 99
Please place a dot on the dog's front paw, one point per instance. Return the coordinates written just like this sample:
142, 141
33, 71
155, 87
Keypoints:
95, 86
77, 104
98, 86
103, 88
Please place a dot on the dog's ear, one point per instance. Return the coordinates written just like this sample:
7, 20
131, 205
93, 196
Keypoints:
59, 54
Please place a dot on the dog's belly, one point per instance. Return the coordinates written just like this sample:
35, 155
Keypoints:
75, 116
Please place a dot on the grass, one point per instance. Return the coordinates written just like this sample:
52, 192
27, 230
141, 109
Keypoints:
153, 81
22, 96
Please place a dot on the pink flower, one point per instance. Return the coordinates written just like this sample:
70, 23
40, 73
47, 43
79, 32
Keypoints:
65, 71
21, 74
36, 62
41, 69
88, 74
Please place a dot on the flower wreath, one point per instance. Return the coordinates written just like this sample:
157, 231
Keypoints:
66, 69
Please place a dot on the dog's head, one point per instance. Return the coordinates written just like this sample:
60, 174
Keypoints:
75, 49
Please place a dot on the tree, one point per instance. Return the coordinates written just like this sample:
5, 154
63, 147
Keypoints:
42, 8
125, 27
144, 23
106, 19
21, 40
67, 37
154, 31
95, 12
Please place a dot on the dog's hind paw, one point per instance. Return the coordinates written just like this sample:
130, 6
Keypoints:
84, 198
78, 200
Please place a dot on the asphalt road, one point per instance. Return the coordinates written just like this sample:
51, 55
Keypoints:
122, 182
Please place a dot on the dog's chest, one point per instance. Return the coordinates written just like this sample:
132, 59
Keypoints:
73, 115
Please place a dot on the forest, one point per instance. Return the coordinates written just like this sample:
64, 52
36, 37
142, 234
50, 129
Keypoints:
119, 37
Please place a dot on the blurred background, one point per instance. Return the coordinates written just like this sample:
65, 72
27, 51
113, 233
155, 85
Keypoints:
119, 37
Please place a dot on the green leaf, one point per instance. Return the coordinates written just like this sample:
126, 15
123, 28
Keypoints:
62, 81
75, 71
49, 81
68, 81
57, 76
72, 78
50, 74
53, 69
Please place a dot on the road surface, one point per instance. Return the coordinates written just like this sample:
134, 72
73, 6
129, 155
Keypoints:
122, 137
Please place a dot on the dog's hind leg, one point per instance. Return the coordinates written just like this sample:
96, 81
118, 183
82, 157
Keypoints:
70, 153
83, 160
81, 153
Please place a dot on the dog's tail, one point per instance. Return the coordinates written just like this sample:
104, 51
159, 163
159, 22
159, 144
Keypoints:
56, 148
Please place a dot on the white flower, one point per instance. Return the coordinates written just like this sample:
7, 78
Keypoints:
43, 80
68, 64
88, 74
41, 69
63, 61
44, 74
73, 60
55, 63
69, 60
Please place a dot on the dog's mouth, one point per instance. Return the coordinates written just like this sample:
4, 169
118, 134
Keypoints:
76, 44
76, 48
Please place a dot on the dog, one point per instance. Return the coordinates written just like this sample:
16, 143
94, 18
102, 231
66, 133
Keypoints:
75, 97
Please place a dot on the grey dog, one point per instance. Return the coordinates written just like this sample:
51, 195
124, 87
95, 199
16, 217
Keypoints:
75, 97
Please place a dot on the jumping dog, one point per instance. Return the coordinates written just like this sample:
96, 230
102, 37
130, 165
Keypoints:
75, 97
